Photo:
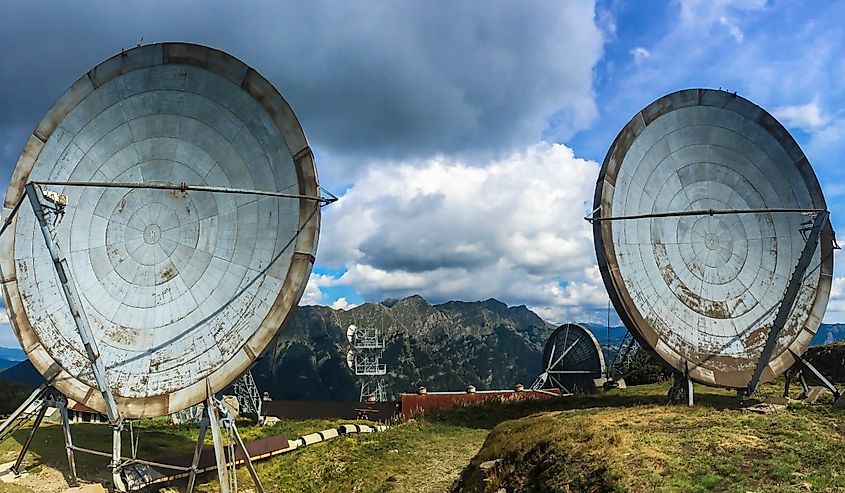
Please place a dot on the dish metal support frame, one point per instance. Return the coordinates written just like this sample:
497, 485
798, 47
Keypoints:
820, 217
38, 201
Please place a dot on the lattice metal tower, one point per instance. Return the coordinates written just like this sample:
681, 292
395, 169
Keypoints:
249, 398
365, 359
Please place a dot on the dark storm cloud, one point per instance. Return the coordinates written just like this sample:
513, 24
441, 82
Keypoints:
369, 80
419, 242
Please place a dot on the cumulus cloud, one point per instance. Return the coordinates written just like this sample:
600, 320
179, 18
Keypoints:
512, 229
342, 304
732, 28
836, 306
807, 117
828, 142
704, 14
783, 59
368, 79
702, 31
825, 141
640, 54
313, 294
384, 91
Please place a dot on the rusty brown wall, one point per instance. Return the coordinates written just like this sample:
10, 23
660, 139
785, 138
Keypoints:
415, 403
379, 411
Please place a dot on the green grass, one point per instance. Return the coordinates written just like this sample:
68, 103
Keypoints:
650, 446
417, 456
158, 439
622, 440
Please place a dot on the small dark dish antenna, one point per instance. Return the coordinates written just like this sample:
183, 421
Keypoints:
572, 360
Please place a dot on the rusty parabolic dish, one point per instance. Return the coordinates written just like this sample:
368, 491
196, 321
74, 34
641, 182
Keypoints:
703, 291
177, 286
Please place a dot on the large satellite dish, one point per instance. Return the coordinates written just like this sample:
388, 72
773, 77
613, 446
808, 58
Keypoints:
572, 359
183, 287
703, 208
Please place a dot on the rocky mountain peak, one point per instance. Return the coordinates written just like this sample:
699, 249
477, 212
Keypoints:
444, 347
415, 302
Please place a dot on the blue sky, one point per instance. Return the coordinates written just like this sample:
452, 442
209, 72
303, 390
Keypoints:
464, 142
786, 56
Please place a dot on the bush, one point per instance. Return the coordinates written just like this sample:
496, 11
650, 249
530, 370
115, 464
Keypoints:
646, 368
12, 395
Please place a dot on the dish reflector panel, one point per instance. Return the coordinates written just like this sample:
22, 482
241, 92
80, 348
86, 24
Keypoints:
179, 287
702, 291
573, 358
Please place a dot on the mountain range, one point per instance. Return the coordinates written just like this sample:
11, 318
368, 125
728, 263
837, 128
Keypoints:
10, 357
442, 347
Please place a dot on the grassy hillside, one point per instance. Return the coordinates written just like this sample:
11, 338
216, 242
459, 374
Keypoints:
650, 446
624, 440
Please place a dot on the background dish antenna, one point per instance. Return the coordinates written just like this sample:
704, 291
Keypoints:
572, 360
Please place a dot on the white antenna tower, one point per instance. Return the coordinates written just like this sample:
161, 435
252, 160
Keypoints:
364, 358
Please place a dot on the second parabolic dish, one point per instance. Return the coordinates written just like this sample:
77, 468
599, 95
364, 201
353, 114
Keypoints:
573, 359
178, 287
703, 290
